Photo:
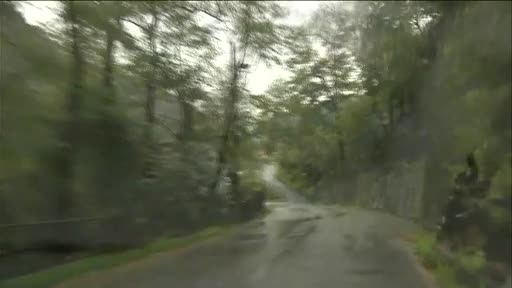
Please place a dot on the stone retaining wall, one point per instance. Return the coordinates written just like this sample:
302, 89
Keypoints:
399, 191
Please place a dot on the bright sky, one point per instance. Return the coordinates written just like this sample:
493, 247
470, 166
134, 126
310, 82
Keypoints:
259, 77
262, 76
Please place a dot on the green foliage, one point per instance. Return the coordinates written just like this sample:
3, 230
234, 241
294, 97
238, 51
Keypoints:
296, 179
360, 132
473, 262
255, 28
426, 249
501, 188
446, 276
443, 269
252, 182
502, 183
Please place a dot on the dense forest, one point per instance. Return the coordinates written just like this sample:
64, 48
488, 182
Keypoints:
432, 82
118, 115
101, 122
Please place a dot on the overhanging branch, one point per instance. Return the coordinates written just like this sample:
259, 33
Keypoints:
197, 9
145, 29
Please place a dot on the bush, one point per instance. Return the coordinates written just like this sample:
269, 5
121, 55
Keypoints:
472, 261
446, 276
426, 250
296, 180
501, 187
465, 267
253, 194
499, 229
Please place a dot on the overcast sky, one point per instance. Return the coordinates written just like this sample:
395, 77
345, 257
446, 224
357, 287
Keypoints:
260, 76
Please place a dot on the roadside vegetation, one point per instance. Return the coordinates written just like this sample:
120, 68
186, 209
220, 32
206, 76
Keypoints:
463, 269
51, 277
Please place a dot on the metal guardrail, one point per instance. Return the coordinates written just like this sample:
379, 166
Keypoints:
52, 222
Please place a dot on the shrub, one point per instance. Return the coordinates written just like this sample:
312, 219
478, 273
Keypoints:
472, 261
446, 276
501, 187
426, 250
253, 194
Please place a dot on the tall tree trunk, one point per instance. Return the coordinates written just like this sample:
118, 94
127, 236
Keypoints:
187, 120
336, 101
401, 105
150, 96
234, 165
391, 113
108, 66
71, 129
229, 121
150, 77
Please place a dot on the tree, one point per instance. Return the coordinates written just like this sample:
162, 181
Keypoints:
253, 32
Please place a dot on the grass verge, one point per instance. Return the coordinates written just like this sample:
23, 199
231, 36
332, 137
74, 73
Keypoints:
429, 255
447, 270
50, 277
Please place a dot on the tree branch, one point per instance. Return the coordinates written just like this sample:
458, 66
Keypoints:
145, 29
161, 123
417, 23
197, 9
212, 15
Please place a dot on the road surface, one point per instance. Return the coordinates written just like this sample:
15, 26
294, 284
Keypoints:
297, 245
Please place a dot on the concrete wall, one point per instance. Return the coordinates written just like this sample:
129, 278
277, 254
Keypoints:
399, 191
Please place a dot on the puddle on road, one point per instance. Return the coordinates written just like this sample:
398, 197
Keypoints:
279, 234
287, 226
292, 241
283, 227
313, 218
301, 234
340, 214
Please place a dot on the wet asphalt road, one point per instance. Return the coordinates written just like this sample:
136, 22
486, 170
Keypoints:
297, 245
